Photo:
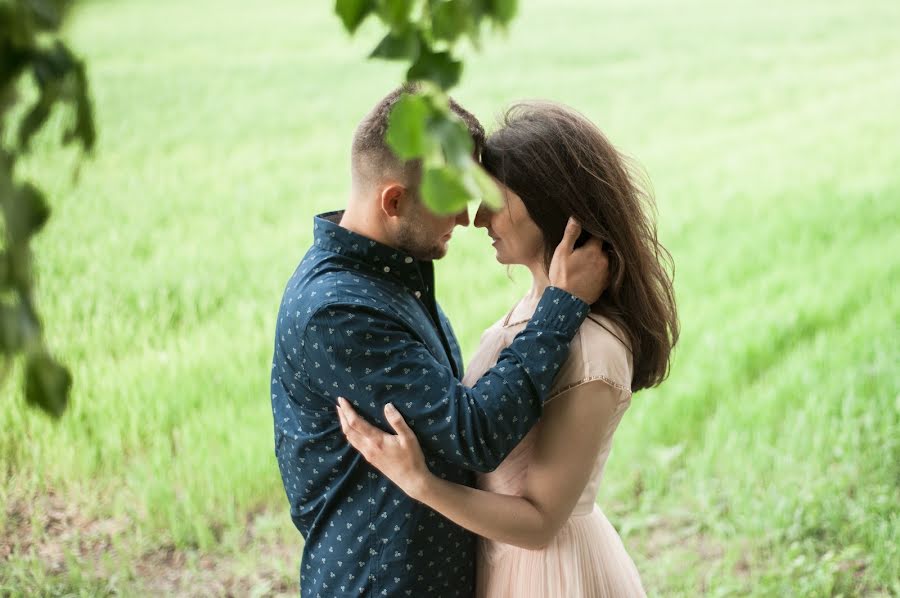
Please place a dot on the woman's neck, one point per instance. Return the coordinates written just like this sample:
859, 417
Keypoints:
540, 280
539, 283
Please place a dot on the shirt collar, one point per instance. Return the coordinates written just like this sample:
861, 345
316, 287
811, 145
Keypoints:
380, 258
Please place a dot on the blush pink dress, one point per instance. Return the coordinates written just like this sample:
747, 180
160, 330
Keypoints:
586, 559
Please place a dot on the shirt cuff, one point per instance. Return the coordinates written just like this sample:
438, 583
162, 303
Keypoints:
559, 311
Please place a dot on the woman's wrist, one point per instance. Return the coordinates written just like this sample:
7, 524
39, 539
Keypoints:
421, 486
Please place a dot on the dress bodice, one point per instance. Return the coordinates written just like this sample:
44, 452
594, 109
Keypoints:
597, 352
586, 557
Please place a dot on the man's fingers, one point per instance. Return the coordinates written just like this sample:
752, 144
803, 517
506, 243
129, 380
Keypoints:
570, 235
593, 243
593, 248
602, 257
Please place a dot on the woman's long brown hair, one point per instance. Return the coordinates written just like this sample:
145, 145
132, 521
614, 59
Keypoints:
560, 164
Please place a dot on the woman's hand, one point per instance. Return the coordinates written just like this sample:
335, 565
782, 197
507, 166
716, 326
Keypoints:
399, 457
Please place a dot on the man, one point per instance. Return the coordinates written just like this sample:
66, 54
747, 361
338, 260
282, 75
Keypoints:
359, 320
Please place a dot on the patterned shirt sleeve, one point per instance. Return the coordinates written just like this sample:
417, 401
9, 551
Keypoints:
370, 358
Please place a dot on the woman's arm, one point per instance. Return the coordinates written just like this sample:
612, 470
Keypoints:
574, 428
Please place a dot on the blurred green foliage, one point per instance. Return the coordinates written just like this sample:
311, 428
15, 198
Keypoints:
29, 48
423, 33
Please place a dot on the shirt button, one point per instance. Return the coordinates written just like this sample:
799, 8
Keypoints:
418, 294
387, 268
408, 260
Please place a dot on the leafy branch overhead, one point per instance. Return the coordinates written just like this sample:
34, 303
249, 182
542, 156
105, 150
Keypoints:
424, 33
31, 53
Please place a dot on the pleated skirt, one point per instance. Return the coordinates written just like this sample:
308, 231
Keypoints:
586, 559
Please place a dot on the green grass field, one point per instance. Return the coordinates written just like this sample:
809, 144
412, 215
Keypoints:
768, 464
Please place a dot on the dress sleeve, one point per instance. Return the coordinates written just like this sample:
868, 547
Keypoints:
597, 354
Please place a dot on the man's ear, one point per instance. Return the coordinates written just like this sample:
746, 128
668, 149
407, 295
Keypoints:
392, 196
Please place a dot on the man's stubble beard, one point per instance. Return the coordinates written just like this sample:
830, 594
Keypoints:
415, 240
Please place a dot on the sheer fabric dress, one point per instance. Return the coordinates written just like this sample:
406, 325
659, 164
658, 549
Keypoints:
586, 559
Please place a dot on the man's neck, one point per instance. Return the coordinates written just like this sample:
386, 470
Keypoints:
361, 222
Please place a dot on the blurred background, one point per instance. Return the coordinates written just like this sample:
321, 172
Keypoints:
767, 464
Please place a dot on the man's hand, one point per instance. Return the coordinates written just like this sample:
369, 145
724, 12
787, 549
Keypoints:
583, 272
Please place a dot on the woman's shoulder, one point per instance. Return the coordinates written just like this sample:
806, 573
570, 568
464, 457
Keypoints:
599, 351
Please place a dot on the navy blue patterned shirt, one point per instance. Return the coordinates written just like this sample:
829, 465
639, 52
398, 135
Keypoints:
359, 320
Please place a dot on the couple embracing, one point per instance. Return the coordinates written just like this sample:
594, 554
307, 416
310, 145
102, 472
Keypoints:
410, 476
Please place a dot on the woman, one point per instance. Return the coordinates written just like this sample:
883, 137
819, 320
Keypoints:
543, 534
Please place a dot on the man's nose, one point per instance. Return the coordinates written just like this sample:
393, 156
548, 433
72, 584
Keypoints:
462, 219
482, 216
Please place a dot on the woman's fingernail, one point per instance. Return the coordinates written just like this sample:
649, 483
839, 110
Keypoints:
390, 408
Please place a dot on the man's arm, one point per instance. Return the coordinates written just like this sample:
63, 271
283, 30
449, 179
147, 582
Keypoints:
574, 429
371, 359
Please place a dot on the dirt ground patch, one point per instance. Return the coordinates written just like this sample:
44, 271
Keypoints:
50, 540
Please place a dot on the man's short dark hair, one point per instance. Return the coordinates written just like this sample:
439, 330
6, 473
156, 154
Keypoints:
372, 158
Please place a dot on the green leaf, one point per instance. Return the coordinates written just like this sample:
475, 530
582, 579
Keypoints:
406, 133
47, 384
83, 129
6, 278
438, 67
502, 11
18, 265
479, 8
51, 66
396, 13
353, 12
403, 45
12, 329
449, 19
443, 190
12, 63
454, 138
47, 14
488, 189
33, 121
26, 212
